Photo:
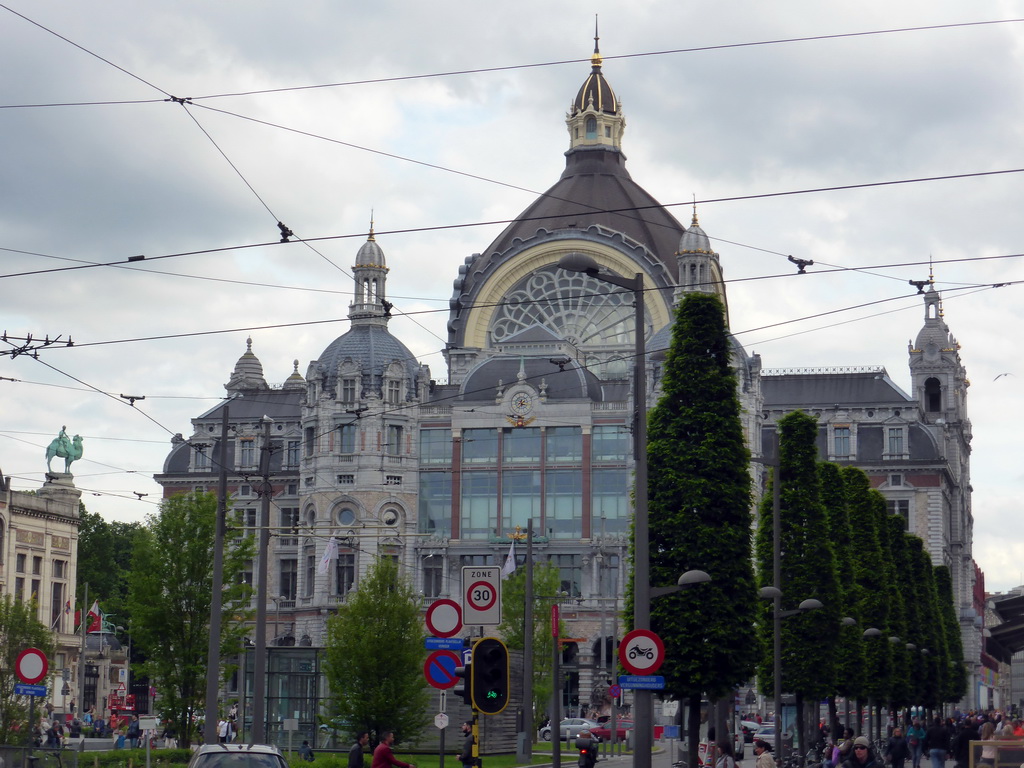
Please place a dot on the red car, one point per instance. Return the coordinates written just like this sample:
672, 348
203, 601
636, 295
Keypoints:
604, 731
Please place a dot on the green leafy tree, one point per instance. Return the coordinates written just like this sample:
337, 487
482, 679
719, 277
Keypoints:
849, 658
699, 509
954, 683
809, 639
513, 615
900, 684
104, 562
932, 645
913, 612
170, 599
20, 628
374, 656
870, 574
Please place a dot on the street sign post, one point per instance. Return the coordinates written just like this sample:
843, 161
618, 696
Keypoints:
31, 666
481, 595
641, 652
24, 689
439, 669
441, 720
443, 643
444, 618
642, 682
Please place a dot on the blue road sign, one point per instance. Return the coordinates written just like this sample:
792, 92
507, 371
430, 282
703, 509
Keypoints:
443, 643
24, 689
647, 682
439, 669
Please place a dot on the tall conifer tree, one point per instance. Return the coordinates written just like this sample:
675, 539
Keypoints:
699, 506
954, 683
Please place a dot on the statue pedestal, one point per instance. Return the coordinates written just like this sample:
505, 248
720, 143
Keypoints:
60, 486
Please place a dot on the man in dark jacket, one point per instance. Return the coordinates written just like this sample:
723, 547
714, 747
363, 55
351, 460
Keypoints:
466, 755
936, 743
355, 754
862, 756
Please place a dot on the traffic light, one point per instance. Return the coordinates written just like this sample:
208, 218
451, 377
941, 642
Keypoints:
463, 689
490, 676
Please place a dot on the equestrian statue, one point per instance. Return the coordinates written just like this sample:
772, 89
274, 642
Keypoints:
65, 448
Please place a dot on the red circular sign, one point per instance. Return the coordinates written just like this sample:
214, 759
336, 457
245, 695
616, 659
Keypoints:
31, 666
444, 618
439, 669
641, 652
481, 595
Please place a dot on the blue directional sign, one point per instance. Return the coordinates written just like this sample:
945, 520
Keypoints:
443, 643
647, 682
24, 689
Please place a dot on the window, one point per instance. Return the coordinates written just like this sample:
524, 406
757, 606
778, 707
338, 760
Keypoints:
435, 446
611, 444
56, 606
895, 441
346, 479
289, 578
346, 516
466, 560
591, 128
310, 435
19, 588
932, 395
247, 517
392, 479
570, 573
564, 445
521, 446
393, 447
610, 501
19, 562
895, 480
310, 555
290, 526
344, 571
608, 577
520, 499
201, 456
60, 569
480, 446
293, 450
433, 572
35, 590
394, 392
292, 489
37, 566
248, 452
841, 442
245, 490
347, 438
435, 503
900, 507
479, 504
348, 390
563, 504
245, 575
607, 131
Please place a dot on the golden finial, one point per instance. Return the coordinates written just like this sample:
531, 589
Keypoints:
371, 238
694, 222
596, 59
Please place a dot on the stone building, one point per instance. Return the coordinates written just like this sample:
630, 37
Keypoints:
532, 421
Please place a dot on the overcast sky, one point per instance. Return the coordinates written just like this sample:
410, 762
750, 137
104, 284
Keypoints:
710, 114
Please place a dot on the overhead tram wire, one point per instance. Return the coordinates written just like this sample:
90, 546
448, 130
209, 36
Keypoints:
506, 68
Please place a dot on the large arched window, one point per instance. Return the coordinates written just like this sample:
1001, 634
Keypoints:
932, 395
591, 128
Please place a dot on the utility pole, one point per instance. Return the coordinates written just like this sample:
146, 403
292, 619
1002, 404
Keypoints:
258, 732
213, 648
525, 746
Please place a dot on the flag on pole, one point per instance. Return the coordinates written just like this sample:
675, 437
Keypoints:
330, 552
510, 561
95, 618
67, 608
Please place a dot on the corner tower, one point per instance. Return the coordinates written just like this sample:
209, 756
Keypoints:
595, 116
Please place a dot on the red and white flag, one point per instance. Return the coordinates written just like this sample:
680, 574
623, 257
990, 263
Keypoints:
95, 618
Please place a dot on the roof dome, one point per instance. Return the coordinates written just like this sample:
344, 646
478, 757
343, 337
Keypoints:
373, 348
248, 373
370, 254
595, 92
295, 381
694, 239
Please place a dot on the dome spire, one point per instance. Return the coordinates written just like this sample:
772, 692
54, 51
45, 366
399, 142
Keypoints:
371, 238
596, 59
595, 119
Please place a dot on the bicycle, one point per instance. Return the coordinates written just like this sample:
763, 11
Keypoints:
50, 757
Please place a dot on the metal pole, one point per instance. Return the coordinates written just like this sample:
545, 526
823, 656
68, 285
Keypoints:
643, 700
81, 655
777, 601
556, 693
213, 647
526, 734
257, 735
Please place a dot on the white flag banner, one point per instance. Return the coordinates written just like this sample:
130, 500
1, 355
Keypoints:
510, 561
330, 552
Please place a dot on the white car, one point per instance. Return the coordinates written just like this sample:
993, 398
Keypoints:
766, 733
570, 728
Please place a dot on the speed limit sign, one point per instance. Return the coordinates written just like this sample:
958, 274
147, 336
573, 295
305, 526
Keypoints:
481, 595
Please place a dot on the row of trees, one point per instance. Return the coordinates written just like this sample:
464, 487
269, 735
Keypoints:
839, 545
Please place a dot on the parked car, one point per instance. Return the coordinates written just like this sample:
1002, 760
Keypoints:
570, 728
237, 755
749, 728
604, 731
766, 733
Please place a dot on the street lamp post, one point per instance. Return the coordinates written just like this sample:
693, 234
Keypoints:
775, 595
643, 702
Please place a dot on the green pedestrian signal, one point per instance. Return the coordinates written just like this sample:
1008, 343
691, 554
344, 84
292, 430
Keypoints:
489, 676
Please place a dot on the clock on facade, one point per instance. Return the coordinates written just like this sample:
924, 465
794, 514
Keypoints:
390, 517
521, 403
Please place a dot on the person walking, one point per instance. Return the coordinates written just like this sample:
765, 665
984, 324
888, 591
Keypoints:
896, 749
726, 758
384, 757
988, 750
936, 743
355, 753
466, 755
764, 754
915, 737
133, 732
862, 755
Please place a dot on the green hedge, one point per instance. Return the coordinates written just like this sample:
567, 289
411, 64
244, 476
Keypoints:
136, 758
